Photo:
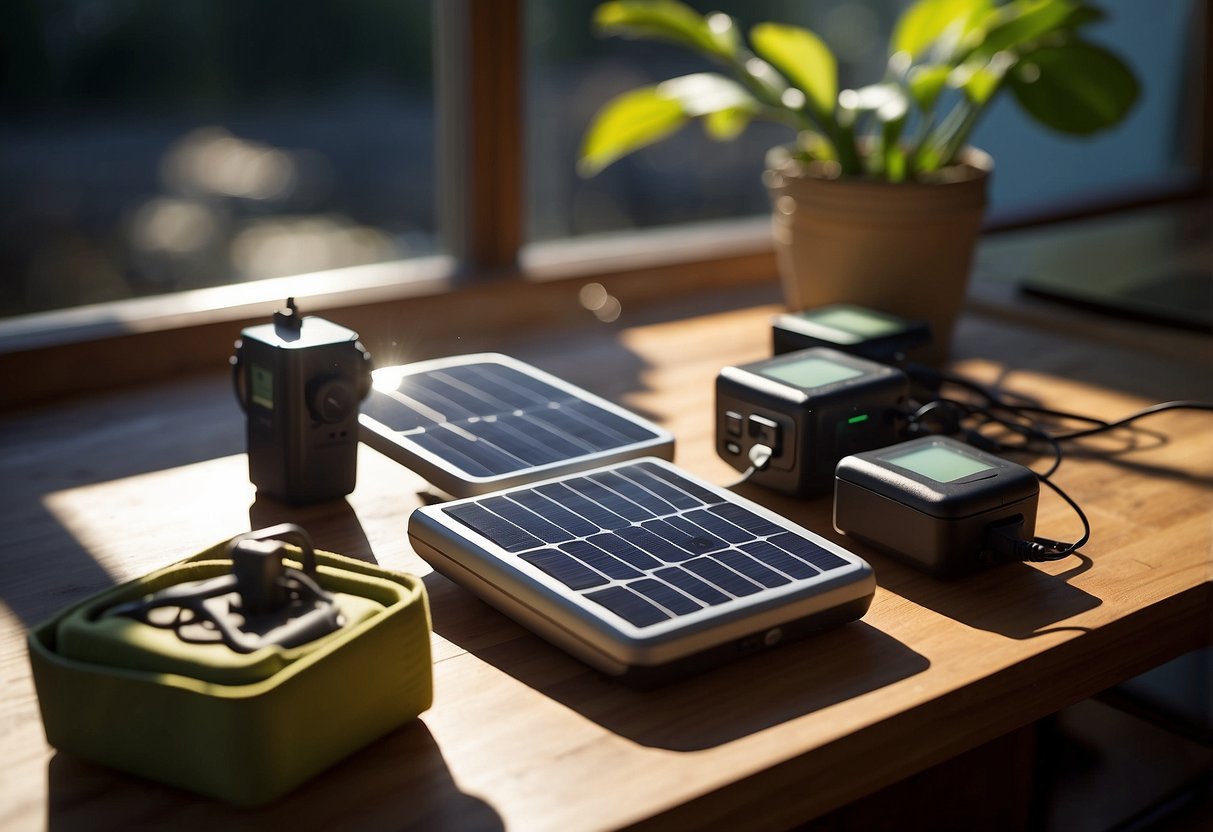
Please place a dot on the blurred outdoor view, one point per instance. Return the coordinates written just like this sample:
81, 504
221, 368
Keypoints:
151, 146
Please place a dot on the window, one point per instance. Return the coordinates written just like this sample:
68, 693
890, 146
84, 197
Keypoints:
1155, 151
150, 147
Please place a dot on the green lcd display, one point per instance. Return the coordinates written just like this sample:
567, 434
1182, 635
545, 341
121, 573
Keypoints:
810, 372
262, 383
856, 321
940, 464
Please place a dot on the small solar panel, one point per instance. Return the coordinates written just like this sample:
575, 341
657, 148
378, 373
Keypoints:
642, 570
475, 424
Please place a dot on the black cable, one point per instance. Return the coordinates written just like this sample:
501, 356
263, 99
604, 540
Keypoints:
1133, 417
1053, 549
934, 379
950, 415
1004, 539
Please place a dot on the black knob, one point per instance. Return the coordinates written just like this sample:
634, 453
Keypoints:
333, 400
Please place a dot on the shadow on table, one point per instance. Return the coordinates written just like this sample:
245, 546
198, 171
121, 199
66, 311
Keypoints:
717, 706
333, 525
1015, 600
398, 782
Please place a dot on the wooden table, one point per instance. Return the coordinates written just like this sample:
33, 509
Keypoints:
100, 490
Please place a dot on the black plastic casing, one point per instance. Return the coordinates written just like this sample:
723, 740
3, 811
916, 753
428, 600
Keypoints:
943, 528
301, 392
813, 427
792, 331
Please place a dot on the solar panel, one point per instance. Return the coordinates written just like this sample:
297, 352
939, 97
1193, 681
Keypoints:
475, 424
642, 570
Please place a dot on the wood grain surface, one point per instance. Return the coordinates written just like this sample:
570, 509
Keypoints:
105, 488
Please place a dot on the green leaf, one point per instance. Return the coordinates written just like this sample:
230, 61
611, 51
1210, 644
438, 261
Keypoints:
627, 123
724, 32
887, 101
895, 162
706, 92
926, 82
804, 60
666, 20
1082, 16
1020, 23
1076, 88
724, 125
980, 79
725, 106
639, 118
981, 84
925, 22
772, 82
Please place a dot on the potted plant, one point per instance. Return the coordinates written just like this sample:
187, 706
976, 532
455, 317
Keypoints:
878, 198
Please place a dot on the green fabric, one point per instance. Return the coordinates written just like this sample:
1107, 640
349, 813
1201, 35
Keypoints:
116, 641
244, 743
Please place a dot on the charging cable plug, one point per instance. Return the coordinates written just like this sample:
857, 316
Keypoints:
760, 457
1006, 542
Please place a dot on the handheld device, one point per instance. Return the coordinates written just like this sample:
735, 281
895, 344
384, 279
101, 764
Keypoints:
643, 571
300, 381
805, 410
857, 330
936, 503
472, 424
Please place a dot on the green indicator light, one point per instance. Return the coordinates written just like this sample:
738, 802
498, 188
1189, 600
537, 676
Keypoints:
855, 420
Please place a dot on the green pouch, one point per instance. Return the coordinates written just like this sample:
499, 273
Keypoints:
244, 728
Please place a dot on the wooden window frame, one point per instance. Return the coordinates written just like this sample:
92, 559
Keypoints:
481, 139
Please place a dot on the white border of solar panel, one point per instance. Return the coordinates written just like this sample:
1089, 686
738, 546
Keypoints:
602, 638
450, 477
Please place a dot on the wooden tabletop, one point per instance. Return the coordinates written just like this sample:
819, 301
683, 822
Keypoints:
100, 490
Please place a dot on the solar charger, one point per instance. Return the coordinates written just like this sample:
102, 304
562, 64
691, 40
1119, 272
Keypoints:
473, 424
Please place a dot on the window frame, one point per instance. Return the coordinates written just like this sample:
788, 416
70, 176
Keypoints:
479, 92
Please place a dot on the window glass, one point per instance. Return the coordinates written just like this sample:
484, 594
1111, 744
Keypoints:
149, 147
571, 73
1155, 147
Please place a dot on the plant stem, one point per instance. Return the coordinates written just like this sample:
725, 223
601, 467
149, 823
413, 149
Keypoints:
800, 119
961, 134
937, 142
849, 162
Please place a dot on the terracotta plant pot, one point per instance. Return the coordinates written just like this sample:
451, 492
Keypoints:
903, 248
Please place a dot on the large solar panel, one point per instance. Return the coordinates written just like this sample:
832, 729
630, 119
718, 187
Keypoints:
477, 423
643, 571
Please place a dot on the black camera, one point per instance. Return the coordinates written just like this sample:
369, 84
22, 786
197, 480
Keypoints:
300, 382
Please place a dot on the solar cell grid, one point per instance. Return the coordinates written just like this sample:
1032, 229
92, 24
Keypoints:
643, 557
489, 417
